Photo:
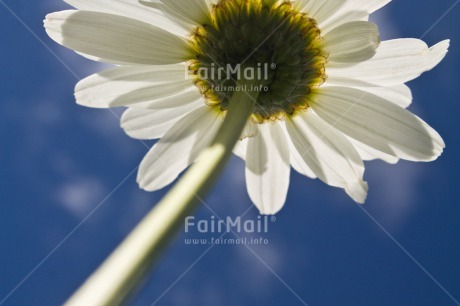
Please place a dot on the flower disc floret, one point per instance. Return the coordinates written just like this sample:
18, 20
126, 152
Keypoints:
283, 45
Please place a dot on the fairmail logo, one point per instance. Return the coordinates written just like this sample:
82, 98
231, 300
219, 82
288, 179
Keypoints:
229, 224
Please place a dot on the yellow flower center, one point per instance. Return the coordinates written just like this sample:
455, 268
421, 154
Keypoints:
272, 42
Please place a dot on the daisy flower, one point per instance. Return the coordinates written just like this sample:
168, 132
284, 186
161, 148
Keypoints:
330, 93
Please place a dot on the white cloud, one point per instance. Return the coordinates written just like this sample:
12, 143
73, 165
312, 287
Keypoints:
393, 192
81, 195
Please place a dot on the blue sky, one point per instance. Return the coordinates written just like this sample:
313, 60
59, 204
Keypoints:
68, 194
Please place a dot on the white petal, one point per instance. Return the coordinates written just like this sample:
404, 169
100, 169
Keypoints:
398, 94
319, 10
193, 10
368, 153
177, 149
152, 124
182, 98
352, 42
131, 85
306, 5
129, 8
347, 10
174, 15
298, 163
267, 168
328, 153
396, 61
378, 123
176, 100
250, 130
241, 148
116, 38
211, 2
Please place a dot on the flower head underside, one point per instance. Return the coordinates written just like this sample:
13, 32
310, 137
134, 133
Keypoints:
331, 93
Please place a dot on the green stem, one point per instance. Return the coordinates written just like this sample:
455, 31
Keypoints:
121, 274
